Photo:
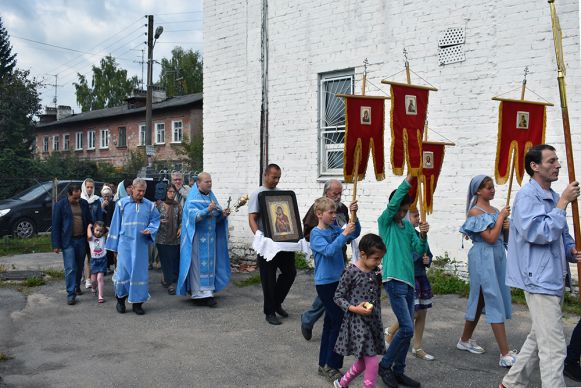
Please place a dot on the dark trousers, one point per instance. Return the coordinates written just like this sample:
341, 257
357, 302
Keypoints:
331, 326
169, 256
574, 348
276, 289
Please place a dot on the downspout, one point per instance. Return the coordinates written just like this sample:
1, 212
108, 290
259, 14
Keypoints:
264, 106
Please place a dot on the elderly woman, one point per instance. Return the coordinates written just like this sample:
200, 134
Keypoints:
168, 238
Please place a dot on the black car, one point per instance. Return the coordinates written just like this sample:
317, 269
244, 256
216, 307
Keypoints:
30, 212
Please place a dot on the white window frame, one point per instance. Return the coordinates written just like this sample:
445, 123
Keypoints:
79, 141
332, 120
174, 138
104, 139
142, 129
159, 134
66, 142
56, 142
91, 139
45, 144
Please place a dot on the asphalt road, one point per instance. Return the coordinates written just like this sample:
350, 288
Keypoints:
179, 344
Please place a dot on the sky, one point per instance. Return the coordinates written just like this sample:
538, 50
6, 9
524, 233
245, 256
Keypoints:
88, 30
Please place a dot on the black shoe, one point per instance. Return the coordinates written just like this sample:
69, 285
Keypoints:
272, 319
71, 301
572, 371
388, 377
137, 309
120, 305
211, 302
280, 311
305, 331
78, 291
407, 381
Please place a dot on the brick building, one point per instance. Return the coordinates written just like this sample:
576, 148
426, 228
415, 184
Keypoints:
315, 49
107, 135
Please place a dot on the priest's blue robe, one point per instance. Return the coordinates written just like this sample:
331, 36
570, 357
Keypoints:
204, 258
125, 237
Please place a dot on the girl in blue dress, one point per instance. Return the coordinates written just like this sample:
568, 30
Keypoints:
488, 229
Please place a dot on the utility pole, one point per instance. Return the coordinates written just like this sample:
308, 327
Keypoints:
149, 150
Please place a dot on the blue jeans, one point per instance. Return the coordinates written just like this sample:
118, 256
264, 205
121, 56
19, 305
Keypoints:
74, 259
401, 298
313, 314
331, 326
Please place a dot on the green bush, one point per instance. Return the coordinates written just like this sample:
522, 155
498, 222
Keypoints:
33, 282
301, 261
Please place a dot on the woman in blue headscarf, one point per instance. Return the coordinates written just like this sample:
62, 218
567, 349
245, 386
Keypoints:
488, 229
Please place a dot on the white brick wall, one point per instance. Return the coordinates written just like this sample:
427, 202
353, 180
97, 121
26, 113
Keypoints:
307, 38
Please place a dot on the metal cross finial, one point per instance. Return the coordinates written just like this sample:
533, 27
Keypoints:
365, 63
405, 55
526, 72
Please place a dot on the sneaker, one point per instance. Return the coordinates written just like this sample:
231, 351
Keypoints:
508, 360
407, 381
421, 354
337, 384
321, 371
332, 374
88, 284
470, 346
387, 377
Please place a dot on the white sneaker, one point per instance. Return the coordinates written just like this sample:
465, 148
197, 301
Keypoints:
88, 284
508, 360
470, 346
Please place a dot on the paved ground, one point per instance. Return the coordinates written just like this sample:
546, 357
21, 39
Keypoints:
178, 344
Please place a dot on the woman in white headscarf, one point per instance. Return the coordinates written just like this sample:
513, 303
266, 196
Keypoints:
487, 227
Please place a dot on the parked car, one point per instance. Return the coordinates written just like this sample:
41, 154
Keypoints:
30, 212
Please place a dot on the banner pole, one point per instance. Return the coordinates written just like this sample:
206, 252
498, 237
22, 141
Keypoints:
353, 217
557, 38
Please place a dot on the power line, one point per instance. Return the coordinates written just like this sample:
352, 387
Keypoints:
52, 45
178, 13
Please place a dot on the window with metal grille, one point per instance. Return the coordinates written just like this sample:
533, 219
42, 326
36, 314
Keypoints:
332, 120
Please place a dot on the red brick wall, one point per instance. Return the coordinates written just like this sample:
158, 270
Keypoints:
191, 124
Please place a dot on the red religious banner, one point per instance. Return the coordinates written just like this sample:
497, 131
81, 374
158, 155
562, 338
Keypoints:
364, 123
413, 193
521, 125
409, 105
432, 160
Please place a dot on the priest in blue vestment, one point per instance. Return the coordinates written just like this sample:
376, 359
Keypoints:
133, 227
204, 258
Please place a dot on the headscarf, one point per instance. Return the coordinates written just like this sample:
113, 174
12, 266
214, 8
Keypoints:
121, 193
106, 190
472, 189
85, 196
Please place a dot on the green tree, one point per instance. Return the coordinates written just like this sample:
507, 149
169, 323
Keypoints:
19, 103
7, 59
192, 152
109, 86
182, 73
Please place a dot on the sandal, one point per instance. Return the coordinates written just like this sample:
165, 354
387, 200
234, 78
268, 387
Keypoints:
101, 300
421, 354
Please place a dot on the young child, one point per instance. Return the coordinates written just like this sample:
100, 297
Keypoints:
96, 239
423, 296
359, 294
398, 280
488, 229
327, 241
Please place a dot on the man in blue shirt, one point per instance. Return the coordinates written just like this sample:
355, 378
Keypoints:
538, 248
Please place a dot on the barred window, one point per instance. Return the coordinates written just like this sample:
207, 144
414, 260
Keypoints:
332, 120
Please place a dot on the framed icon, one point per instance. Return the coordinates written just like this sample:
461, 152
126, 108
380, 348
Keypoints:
280, 215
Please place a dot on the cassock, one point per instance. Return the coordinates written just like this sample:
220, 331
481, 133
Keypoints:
129, 220
204, 259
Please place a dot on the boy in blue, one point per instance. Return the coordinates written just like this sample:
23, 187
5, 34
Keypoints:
327, 241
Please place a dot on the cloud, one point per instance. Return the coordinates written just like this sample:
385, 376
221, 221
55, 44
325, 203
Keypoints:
115, 27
